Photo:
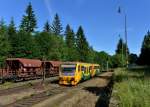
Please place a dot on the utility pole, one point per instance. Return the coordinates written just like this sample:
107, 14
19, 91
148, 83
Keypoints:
122, 51
43, 69
126, 40
107, 66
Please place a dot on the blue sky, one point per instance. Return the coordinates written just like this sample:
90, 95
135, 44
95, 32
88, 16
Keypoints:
99, 18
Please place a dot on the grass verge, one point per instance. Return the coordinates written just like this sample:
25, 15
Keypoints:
132, 87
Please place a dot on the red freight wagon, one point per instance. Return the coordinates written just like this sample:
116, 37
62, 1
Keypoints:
1, 75
21, 68
51, 67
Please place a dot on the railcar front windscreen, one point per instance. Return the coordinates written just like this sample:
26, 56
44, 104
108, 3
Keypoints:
68, 70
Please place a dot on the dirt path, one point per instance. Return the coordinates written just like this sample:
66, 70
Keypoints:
92, 93
11, 95
11, 85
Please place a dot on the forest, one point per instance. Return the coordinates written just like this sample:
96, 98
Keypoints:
54, 42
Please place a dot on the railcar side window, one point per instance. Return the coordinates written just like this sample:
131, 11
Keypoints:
90, 68
83, 68
96, 67
79, 68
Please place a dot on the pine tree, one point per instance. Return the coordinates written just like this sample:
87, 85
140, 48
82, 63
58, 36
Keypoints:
3, 27
47, 27
51, 46
28, 23
26, 46
44, 43
57, 26
120, 55
145, 50
11, 27
12, 36
102, 58
133, 58
82, 45
4, 44
70, 42
69, 36
120, 47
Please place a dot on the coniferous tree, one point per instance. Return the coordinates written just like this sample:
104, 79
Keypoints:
11, 28
120, 47
82, 45
51, 46
12, 37
133, 58
47, 27
44, 44
92, 55
102, 58
57, 26
26, 44
69, 36
120, 55
145, 51
29, 22
70, 42
3, 27
4, 43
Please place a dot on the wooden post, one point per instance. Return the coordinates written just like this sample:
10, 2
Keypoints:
43, 69
126, 40
107, 64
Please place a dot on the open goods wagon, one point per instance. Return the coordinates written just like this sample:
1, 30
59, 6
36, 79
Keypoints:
22, 69
25, 69
51, 68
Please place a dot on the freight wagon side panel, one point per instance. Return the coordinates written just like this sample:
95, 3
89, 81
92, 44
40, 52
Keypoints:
1, 74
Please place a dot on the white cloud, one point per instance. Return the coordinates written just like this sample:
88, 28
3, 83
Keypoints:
49, 8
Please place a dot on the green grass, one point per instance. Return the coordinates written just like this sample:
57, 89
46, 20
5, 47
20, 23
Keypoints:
132, 87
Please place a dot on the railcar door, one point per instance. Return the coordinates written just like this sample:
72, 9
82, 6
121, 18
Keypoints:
78, 73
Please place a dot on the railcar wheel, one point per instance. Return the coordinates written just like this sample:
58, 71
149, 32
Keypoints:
14, 79
1, 81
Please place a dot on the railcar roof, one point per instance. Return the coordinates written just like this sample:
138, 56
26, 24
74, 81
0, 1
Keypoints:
78, 62
71, 62
54, 63
27, 62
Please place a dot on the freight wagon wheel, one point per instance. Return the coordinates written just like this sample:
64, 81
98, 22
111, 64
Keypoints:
14, 79
2, 81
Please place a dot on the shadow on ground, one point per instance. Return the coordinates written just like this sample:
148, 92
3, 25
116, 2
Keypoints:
103, 77
1, 105
55, 81
104, 94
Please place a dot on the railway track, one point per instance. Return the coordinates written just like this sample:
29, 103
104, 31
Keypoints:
29, 101
54, 90
25, 86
